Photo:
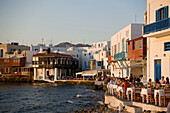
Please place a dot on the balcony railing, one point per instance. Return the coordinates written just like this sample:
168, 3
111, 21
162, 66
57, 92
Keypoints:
120, 56
156, 26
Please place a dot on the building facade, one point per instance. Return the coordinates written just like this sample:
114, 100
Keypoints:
99, 52
10, 48
12, 66
137, 57
157, 32
119, 49
51, 66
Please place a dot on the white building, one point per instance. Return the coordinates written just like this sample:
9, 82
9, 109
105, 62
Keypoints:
119, 49
99, 52
157, 32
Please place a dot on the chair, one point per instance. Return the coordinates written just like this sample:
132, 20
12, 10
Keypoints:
136, 94
151, 96
165, 99
167, 86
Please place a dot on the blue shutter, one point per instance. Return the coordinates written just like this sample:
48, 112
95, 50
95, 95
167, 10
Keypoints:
127, 45
157, 15
165, 12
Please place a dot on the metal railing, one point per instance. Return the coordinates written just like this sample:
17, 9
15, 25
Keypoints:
156, 26
120, 56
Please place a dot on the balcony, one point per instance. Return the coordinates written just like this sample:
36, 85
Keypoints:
153, 28
120, 56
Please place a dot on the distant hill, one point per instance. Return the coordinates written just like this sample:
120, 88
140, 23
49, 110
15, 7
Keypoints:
67, 44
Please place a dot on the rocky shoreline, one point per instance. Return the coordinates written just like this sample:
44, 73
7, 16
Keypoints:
99, 109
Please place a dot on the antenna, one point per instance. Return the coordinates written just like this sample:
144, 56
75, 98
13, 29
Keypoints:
42, 40
135, 19
84, 41
51, 40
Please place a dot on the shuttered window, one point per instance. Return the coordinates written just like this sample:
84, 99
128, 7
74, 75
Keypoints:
162, 13
167, 46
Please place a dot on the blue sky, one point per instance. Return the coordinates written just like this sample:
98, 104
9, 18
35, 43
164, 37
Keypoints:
27, 21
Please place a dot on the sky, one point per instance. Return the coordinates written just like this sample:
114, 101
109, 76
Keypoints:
76, 21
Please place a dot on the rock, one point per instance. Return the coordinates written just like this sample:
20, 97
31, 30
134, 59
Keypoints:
120, 107
100, 102
69, 101
78, 96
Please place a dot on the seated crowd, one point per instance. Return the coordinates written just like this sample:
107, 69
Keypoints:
133, 82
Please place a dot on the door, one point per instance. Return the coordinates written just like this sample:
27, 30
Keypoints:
48, 73
158, 69
1, 52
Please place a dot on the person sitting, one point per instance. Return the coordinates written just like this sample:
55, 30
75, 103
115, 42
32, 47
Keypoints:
157, 81
125, 84
139, 83
150, 82
167, 80
162, 81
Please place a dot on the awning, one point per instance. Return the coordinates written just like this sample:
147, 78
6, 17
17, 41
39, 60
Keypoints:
91, 72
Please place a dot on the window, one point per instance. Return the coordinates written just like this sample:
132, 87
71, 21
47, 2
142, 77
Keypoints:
115, 51
167, 46
7, 70
137, 44
118, 47
84, 54
34, 62
89, 53
98, 45
85, 65
91, 57
6, 60
162, 13
77, 56
16, 60
133, 47
1, 52
127, 43
58, 61
123, 45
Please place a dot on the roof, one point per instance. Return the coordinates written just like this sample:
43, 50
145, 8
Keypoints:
136, 39
53, 55
14, 57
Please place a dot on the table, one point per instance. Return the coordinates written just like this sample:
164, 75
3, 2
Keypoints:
160, 92
131, 89
145, 92
111, 88
120, 89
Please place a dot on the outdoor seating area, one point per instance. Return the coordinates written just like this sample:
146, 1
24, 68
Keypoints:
155, 94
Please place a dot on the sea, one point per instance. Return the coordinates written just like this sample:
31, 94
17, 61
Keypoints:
47, 97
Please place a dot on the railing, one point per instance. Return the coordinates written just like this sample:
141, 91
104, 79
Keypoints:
156, 26
120, 56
